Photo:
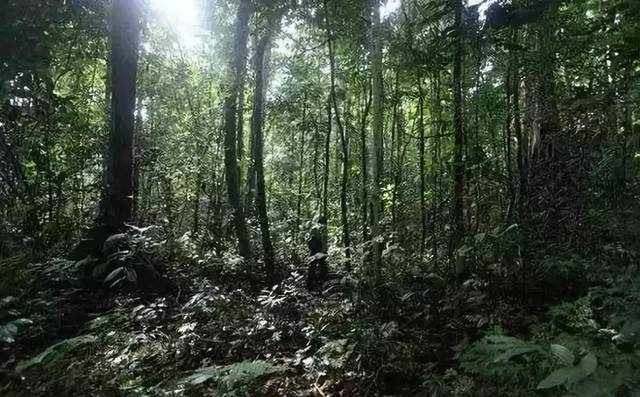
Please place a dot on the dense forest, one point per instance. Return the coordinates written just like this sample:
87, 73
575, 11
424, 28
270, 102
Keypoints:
320, 197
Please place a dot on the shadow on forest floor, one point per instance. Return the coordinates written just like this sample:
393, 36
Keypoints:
211, 335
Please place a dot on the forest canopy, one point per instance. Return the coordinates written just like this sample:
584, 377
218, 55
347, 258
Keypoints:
319, 197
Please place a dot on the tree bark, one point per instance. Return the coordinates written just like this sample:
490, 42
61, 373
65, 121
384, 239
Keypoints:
257, 123
327, 158
377, 144
343, 143
125, 36
363, 164
523, 146
436, 126
240, 133
423, 204
303, 129
511, 197
316, 155
236, 78
459, 138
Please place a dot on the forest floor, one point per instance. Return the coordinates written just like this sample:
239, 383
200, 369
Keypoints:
216, 333
302, 343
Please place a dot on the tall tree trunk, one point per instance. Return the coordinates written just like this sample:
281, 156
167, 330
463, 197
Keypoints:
547, 105
195, 224
251, 175
303, 130
421, 165
363, 163
436, 126
343, 143
327, 158
257, 123
459, 138
236, 79
627, 121
523, 146
240, 133
511, 197
548, 174
316, 155
117, 207
377, 95
393, 158
137, 169
397, 172
477, 150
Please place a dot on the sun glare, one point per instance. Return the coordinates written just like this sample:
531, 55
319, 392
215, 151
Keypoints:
182, 17
483, 6
388, 8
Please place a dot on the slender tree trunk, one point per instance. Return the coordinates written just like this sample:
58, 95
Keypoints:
393, 153
168, 199
548, 174
423, 204
240, 133
125, 36
327, 154
459, 138
627, 122
523, 149
236, 71
251, 175
343, 143
436, 126
397, 173
523, 168
136, 161
303, 129
477, 150
257, 122
511, 197
195, 225
376, 154
316, 155
363, 164
547, 105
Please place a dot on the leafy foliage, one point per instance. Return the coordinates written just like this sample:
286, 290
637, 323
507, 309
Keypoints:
235, 379
489, 250
53, 353
9, 330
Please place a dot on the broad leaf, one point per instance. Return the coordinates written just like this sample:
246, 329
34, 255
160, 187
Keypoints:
114, 274
54, 352
556, 378
506, 356
201, 376
563, 354
588, 364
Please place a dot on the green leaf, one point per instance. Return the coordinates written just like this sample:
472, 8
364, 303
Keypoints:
56, 351
9, 331
237, 375
588, 389
22, 321
563, 354
201, 376
114, 274
588, 364
503, 339
556, 378
249, 372
506, 356
566, 376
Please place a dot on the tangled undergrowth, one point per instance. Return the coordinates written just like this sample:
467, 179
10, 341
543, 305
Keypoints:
201, 326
